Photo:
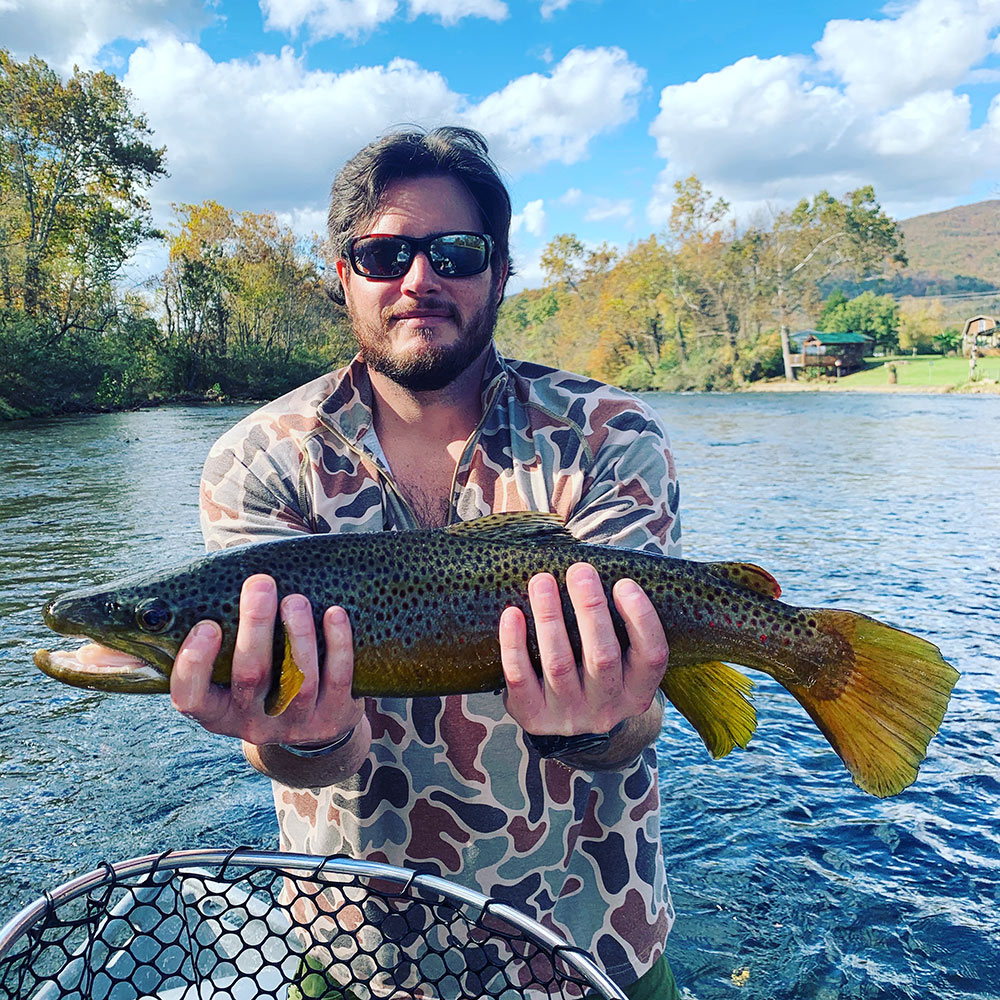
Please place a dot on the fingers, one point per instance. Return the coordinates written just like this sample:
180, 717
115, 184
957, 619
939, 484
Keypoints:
300, 630
524, 697
251, 675
559, 668
337, 676
191, 689
648, 653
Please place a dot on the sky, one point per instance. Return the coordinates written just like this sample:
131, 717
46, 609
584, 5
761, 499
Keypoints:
592, 108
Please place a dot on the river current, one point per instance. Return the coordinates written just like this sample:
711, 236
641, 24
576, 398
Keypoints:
789, 882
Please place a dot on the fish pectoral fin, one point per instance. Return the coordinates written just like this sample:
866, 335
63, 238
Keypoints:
287, 685
882, 703
515, 527
748, 576
715, 699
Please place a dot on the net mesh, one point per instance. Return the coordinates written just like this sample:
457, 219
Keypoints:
253, 926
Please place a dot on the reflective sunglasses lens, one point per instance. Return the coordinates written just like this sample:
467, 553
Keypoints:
459, 254
381, 256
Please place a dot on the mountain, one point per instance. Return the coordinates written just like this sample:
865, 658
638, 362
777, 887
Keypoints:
963, 240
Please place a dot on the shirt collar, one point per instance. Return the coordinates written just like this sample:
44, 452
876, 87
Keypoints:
347, 410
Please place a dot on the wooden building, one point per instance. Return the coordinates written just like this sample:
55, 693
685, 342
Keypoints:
984, 333
833, 352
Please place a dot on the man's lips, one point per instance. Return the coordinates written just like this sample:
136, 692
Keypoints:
423, 318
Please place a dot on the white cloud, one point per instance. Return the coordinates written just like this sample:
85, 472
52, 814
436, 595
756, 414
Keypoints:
451, 12
571, 197
68, 32
327, 18
603, 209
931, 45
539, 118
550, 7
268, 133
351, 18
531, 220
774, 130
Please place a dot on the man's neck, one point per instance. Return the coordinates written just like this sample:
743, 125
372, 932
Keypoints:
423, 435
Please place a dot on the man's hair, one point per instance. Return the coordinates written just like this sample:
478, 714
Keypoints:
448, 151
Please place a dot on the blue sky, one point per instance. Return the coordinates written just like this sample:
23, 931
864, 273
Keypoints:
593, 108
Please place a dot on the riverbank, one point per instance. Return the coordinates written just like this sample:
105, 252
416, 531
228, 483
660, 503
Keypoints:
981, 387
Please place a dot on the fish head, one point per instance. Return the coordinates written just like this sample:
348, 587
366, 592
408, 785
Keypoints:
145, 620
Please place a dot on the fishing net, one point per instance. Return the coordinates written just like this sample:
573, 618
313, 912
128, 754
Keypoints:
208, 925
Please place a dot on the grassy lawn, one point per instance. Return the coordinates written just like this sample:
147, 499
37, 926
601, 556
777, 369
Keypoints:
921, 370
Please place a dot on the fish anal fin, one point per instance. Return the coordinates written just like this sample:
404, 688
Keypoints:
515, 527
748, 576
884, 702
715, 699
288, 685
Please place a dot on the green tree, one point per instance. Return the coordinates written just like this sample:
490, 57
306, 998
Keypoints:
245, 305
874, 316
74, 163
818, 239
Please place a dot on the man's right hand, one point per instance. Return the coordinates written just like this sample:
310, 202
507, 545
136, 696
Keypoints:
322, 710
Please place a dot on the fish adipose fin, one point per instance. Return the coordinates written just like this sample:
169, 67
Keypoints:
880, 711
748, 576
288, 685
715, 699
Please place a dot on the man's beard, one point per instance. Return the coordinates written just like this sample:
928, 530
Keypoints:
435, 367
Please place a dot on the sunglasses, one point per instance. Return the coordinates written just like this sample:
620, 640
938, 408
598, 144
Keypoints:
452, 255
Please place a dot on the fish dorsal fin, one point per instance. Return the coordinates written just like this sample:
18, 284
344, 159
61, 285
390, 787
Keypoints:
515, 527
748, 576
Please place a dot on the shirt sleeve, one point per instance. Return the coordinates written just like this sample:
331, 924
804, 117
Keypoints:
250, 488
630, 496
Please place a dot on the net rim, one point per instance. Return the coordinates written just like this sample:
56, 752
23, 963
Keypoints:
305, 864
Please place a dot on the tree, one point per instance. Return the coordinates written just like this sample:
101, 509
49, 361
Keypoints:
635, 317
817, 239
244, 303
74, 163
874, 316
920, 326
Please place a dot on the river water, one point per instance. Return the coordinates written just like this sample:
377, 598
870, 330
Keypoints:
788, 881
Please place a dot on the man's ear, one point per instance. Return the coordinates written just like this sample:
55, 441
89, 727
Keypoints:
343, 272
500, 283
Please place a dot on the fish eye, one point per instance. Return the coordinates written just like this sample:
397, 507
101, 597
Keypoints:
153, 615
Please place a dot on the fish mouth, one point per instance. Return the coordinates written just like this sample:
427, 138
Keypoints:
98, 668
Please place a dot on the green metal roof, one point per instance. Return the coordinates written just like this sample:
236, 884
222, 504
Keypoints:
830, 338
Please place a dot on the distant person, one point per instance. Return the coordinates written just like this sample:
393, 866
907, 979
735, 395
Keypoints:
546, 796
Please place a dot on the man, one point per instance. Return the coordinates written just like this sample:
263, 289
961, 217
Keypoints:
545, 797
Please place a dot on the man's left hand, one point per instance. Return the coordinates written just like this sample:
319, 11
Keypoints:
607, 687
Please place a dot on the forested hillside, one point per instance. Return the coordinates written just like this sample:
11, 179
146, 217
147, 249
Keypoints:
960, 241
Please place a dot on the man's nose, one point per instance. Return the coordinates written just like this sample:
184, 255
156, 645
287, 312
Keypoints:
421, 277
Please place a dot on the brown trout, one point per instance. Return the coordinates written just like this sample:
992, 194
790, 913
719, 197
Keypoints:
425, 607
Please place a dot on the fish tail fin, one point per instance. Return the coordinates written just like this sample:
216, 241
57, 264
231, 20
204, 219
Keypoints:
880, 712
715, 699
287, 684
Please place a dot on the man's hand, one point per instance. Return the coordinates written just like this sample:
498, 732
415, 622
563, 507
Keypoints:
323, 708
606, 688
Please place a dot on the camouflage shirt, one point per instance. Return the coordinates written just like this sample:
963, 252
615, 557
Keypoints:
450, 786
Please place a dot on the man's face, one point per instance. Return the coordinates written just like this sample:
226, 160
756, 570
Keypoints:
422, 330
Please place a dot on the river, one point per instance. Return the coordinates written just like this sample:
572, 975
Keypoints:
788, 881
